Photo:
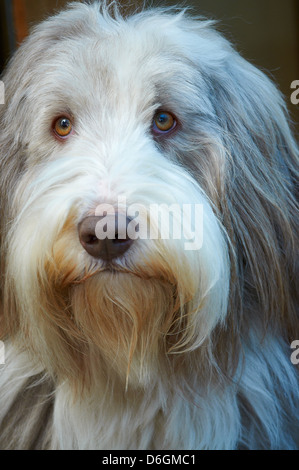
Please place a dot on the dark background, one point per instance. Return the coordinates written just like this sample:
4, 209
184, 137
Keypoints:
266, 32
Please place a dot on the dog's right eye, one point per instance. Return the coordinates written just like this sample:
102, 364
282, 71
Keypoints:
163, 123
62, 127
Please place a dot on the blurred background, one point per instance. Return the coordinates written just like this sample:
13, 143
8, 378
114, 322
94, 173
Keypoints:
266, 32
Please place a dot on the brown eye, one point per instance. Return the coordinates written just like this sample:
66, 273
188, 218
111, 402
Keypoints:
163, 122
63, 127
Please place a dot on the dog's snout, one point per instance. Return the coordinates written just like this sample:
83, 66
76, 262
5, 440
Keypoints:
115, 240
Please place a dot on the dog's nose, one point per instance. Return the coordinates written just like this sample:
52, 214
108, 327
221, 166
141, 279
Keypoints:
108, 248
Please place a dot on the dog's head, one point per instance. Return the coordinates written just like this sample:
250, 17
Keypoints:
154, 117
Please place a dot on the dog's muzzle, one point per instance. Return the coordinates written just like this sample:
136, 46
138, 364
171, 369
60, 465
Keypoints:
116, 241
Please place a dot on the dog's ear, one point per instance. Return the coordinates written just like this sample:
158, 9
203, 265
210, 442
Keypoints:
261, 170
11, 165
13, 119
12, 159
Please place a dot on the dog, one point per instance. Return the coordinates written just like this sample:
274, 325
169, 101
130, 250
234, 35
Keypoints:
114, 123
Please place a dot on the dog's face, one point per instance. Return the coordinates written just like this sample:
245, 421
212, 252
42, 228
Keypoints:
145, 111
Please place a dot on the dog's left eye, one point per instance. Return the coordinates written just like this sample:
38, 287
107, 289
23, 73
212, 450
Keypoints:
163, 122
62, 127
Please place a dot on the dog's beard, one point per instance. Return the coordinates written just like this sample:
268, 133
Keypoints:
77, 314
130, 320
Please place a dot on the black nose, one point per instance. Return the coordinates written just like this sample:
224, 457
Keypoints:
108, 248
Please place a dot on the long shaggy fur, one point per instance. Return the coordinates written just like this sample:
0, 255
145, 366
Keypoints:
170, 349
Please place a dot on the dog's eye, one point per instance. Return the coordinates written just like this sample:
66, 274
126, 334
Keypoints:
62, 127
163, 122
